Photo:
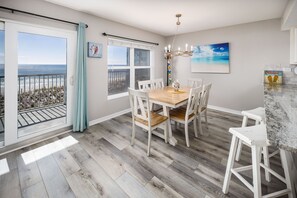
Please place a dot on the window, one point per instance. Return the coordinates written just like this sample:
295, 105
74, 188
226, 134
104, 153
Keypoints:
128, 63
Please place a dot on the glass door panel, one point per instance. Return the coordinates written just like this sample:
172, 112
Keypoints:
42, 90
2, 84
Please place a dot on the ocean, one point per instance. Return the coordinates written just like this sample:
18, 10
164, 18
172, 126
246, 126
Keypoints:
31, 83
37, 69
212, 60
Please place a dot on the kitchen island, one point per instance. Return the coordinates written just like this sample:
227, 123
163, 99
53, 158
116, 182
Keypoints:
280, 102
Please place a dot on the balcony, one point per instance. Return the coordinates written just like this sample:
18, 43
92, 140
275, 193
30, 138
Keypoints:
41, 98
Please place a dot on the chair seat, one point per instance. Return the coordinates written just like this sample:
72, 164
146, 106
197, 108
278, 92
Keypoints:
155, 119
257, 114
179, 114
253, 135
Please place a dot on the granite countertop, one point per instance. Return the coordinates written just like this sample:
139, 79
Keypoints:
280, 102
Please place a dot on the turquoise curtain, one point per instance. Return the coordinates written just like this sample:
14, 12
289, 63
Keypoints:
80, 118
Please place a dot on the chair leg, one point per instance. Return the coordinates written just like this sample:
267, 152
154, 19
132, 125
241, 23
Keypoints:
205, 115
230, 164
266, 163
195, 128
187, 135
238, 153
256, 171
284, 161
244, 124
133, 133
200, 125
149, 142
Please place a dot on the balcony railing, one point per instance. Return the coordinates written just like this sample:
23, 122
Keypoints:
37, 91
41, 98
118, 81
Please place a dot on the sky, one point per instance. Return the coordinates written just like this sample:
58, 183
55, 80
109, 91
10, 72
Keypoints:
221, 49
117, 55
38, 49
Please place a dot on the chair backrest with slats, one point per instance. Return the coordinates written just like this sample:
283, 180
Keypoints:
138, 101
195, 82
157, 83
205, 96
151, 84
193, 101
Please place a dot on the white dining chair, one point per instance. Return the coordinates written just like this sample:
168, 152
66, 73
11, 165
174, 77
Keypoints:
202, 108
152, 84
195, 82
143, 117
185, 116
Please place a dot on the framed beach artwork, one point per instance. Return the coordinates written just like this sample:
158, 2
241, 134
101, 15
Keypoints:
94, 50
212, 58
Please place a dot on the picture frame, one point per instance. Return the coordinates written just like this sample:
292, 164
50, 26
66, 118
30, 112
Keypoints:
211, 58
273, 77
94, 50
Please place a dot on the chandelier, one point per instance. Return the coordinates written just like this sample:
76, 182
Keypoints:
170, 52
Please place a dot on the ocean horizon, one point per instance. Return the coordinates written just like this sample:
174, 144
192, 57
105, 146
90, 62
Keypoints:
36, 69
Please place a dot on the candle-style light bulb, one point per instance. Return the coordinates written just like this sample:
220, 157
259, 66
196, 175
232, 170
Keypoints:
178, 48
186, 46
165, 49
191, 47
169, 47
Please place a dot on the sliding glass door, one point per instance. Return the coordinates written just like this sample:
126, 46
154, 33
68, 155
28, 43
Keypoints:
39, 79
2, 84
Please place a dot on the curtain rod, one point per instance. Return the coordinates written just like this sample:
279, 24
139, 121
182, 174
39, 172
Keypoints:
38, 15
126, 38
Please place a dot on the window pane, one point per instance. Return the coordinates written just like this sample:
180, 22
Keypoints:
118, 56
118, 81
2, 86
141, 57
42, 65
140, 75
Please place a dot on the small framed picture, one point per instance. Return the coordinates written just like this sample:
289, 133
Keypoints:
94, 50
273, 77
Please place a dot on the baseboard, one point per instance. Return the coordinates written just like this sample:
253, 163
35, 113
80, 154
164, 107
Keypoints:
232, 111
108, 117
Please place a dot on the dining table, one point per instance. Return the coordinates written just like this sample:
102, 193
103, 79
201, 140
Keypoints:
168, 98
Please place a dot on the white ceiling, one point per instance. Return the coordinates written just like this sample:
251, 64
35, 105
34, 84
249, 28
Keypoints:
159, 15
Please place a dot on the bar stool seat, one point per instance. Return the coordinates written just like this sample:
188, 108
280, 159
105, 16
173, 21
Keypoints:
256, 138
257, 114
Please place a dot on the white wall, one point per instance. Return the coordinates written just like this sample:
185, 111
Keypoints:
252, 46
99, 106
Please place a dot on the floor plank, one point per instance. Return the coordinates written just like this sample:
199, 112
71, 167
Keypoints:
101, 163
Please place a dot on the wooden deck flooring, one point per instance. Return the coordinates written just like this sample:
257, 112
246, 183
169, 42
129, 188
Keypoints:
101, 163
36, 116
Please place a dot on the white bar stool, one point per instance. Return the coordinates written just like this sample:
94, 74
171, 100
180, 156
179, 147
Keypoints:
258, 115
256, 138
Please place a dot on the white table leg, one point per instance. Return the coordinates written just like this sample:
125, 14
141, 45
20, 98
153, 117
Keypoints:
171, 139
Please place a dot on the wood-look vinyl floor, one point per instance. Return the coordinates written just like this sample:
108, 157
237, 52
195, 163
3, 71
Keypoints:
101, 163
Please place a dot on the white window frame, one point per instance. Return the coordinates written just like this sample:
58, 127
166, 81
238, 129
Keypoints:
131, 67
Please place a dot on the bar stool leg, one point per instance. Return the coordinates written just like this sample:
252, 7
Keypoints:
256, 171
244, 124
230, 163
284, 161
266, 163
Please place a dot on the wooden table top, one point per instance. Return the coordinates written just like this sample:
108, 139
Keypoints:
167, 96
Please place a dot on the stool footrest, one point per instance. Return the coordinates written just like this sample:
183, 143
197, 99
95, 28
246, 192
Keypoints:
278, 176
273, 154
242, 180
277, 194
243, 168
